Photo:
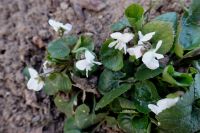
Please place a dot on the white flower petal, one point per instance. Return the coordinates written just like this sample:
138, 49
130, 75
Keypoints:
149, 60
147, 37
89, 56
126, 37
33, 73
140, 34
158, 45
116, 35
167, 102
112, 44
154, 108
81, 64
158, 56
67, 27
121, 45
163, 104
118, 45
35, 84
135, 51
96, 62
56, 25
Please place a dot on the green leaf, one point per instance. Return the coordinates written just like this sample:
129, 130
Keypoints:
111, 58
110, 96
164, 31
120, 25
70, 125
133, 124
83, 119
143, 73
56, 82
194, 11
109, 80
26, 73
145, 93
60, 48
197, 86
134, 14
84, 42
189, 38
126, 104
111, 122
178, 49
176, 78
170, 17
72, 131
192, 54
65, 105
181, 118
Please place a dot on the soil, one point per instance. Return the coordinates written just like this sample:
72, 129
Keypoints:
24, 35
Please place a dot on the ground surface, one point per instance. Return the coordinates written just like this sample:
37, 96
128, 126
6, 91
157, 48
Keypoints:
24, 34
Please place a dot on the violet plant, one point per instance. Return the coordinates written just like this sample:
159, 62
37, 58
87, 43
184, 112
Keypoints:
145, 78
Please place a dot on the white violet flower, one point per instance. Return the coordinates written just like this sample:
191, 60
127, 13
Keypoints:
121, 40
87, 63
163, 104
150, 58
145, 38
35, 83
136, 51
57, 25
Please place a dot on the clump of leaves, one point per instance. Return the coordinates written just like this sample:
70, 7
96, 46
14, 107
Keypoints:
145, 78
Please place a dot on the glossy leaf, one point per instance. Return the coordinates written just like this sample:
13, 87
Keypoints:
145, 92
125, 103
109, 80
133, 124
60, 48
164, 31
111, 58
110, 96
144, 73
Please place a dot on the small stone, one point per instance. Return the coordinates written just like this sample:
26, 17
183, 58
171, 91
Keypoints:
38, 42
64, 5
36, 119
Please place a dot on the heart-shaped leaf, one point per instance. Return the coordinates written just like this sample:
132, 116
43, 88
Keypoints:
145, 92
109, 80
60, 48
56, 82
